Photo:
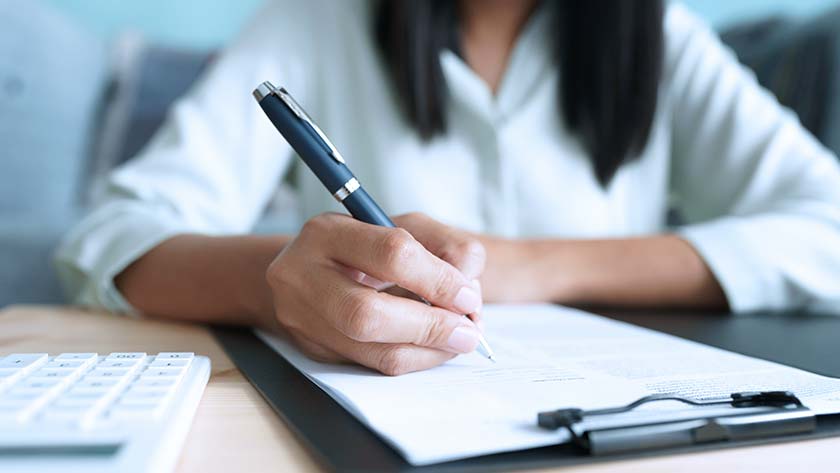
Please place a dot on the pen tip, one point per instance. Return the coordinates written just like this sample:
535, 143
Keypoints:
491, 358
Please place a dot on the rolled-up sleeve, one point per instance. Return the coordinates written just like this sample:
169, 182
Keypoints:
760, 194
211, 169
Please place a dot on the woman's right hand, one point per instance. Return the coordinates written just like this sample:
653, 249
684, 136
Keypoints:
321, 286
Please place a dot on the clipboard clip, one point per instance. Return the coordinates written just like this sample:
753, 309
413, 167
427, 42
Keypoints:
762, 414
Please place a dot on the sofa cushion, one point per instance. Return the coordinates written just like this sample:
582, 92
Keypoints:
799, 60
27, 275
51, 77
146, 80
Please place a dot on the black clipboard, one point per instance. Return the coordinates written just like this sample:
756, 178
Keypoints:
339, 442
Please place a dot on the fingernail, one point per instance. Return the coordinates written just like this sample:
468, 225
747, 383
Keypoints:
371, 281
477, 286
467, 300
463, 339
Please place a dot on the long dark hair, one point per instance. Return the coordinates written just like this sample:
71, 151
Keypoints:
610, 54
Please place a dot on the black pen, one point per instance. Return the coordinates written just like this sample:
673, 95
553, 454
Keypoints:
319, 154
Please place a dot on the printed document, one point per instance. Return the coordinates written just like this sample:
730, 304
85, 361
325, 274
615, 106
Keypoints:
548, 357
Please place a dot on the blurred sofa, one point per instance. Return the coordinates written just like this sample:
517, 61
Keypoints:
72, 108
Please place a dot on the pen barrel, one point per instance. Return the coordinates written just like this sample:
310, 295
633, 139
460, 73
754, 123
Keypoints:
362, 207
312, 151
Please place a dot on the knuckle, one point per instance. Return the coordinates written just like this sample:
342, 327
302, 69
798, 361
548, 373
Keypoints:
395, 361
311, 226
444, 284
464, 248
317, 225
274, 274
360, 318
474, 248
397, 248
433, 332
414, 216
468, 255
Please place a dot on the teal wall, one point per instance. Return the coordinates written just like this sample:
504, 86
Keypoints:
188, 23
207, 23
724, 12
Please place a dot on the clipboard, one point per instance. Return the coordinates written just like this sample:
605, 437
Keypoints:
344, 444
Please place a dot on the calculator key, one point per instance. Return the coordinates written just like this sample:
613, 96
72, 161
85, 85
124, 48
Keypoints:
113, 373
119, 363
9, 371
98, 385
76, 393
62, 414
39, 383
83, 400
9, 376
78, 400
170, 363
73, 364
154, 384
174, 356
21, 396
126, 356
28, 400
77, 357
56, 373
162, 373
24, 361
18, 402
70, 360
13, 415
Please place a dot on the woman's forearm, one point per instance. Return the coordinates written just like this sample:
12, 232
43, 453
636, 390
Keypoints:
656, 271
222, 279
206, 279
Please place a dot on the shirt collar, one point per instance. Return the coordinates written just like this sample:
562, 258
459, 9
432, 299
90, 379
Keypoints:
530, 58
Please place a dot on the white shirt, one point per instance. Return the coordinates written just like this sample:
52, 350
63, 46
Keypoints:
761, 195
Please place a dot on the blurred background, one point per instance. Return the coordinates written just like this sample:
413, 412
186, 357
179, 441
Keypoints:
209, 23
84, 84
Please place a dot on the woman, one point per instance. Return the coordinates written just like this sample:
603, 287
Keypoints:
543, 144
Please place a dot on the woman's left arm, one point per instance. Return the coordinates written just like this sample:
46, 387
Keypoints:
760, 195
656, 271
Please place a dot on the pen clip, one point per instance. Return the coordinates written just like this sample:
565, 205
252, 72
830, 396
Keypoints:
290, 102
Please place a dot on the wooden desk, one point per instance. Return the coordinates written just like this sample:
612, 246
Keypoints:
235, 430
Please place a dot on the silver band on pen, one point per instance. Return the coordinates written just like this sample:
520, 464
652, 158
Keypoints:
348, 188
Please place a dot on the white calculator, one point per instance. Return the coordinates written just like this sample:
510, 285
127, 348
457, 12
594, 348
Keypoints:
123, 412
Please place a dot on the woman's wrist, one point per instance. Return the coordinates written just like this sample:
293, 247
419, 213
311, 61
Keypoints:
523, 271
254, 294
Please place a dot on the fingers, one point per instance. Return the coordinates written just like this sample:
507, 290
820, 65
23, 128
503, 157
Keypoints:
391, 359
315, 351
456, 247
395, 360
393, 255
326, 282
370, 317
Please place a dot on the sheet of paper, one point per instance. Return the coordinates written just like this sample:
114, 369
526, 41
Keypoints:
549, 357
